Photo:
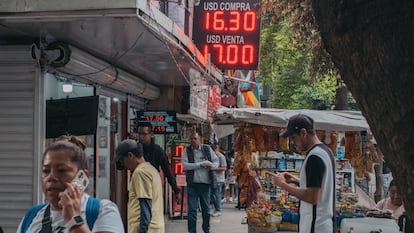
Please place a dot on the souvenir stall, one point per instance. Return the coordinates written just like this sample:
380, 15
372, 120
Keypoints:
259, 150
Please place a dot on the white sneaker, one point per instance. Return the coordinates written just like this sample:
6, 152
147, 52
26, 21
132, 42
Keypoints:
223, 200
216, 214
231, 199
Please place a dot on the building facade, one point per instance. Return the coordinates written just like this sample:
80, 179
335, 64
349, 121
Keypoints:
129, 55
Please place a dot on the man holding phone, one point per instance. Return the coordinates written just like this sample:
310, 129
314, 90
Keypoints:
316, 186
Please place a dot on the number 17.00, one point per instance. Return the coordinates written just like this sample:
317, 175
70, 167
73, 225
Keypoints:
230, 53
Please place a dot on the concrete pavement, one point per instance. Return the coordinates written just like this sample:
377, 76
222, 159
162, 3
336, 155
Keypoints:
229, 222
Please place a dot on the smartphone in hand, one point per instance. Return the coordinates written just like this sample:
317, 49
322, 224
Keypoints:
271, 173
81, 180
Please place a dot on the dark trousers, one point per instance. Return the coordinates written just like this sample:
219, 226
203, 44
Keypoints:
198, 193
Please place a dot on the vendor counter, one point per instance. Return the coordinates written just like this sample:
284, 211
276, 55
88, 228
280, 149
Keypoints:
364, 225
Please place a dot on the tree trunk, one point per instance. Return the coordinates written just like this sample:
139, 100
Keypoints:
372, 44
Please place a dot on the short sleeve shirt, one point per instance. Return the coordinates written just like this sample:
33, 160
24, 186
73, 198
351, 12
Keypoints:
145, 183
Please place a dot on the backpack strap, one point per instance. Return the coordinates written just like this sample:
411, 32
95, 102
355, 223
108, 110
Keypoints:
28, 218
92, 211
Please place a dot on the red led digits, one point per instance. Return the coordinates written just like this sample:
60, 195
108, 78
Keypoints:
207, 20
178, 168
234, 21
154, 118
219, 49
158, 129
249, 21
232, 54
247, 54
228, 32
216, 21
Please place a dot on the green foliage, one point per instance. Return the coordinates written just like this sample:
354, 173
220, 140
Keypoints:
319, 95
284, 66
293, 61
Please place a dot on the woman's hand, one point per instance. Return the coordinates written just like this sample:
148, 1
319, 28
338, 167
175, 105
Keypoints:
70, 202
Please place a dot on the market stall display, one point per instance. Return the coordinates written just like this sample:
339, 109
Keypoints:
259, 148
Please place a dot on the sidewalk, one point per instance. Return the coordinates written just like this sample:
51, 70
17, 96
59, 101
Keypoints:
229, 222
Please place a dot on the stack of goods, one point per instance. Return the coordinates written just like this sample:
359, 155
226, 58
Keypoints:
379, 214
251, 139
329, 138
360, 151
350, 211
278, 211
263, 215
347, 198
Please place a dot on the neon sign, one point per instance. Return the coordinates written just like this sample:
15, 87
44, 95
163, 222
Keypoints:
229, 31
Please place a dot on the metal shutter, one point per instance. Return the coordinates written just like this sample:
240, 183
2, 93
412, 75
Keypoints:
18, 156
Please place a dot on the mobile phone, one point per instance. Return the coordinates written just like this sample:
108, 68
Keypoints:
271, 173
81, 180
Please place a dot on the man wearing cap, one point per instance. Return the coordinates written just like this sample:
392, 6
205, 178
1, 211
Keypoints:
316, 186
145, 202
199, 162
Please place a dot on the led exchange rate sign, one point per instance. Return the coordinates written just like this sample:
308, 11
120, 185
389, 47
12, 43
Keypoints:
229, 31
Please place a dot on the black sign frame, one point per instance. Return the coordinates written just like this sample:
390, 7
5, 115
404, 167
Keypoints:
161, 122
229, 30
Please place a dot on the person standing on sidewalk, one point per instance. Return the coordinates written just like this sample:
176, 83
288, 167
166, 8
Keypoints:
154, 154
199, 162
145, 202
219, 172
316, 186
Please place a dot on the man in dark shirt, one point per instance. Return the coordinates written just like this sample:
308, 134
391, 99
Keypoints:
154, 154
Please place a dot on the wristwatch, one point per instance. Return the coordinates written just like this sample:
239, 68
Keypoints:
74, 221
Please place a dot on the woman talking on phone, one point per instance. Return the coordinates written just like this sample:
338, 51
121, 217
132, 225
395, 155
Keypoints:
68, 208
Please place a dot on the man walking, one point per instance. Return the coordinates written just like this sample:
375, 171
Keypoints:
316, 186
145, 202
199, 162
154, 154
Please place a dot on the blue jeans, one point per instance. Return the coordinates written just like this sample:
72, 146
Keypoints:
198, 192
216, 196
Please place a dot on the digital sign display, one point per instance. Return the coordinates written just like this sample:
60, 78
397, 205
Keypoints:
161, 122
229, 31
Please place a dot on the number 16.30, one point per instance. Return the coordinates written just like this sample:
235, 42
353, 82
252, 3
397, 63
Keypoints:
236, 21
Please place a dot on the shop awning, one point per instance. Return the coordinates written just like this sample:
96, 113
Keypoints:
324, 119
132, 35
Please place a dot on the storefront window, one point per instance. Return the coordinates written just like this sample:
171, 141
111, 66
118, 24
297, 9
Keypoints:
103, 138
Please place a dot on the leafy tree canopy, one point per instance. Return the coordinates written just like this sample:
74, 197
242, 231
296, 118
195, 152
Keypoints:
285, 66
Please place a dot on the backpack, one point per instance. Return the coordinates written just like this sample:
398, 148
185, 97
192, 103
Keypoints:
404, 222
92, 211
